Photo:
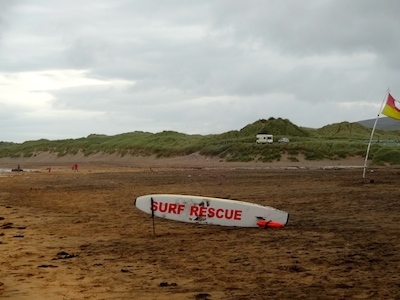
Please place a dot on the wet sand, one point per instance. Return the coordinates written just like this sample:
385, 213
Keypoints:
77, 235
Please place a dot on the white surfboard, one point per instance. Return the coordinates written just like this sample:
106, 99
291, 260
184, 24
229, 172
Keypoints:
206, 210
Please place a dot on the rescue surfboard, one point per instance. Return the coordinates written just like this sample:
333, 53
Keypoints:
206, 210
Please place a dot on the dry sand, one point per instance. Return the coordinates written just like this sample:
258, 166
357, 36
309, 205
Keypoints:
77, 235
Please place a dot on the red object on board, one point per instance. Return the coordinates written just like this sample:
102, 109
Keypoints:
269, 224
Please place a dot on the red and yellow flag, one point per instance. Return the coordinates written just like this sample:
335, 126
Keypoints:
391, 109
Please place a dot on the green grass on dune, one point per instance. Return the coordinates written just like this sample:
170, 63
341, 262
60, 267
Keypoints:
335, 141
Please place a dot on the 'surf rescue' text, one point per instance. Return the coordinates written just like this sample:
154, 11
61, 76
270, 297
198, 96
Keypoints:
198, 211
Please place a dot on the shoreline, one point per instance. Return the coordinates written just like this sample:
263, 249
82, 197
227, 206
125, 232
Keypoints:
51, 160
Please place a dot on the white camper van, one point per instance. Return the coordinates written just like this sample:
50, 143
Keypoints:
263, 138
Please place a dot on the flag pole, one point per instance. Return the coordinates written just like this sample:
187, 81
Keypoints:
372, 133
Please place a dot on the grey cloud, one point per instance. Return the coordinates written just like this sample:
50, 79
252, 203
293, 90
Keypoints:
255, 54
314, 28
5, 7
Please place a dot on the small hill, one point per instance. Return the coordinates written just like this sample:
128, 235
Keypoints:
273, 126
355, 131
344, 130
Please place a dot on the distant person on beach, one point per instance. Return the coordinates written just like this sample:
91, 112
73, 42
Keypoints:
75, 167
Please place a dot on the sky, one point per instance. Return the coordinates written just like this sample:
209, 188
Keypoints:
69, 69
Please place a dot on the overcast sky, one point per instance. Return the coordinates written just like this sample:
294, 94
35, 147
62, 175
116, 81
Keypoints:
72, 68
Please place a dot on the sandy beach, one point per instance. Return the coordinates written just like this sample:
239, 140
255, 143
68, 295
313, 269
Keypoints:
77, 235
